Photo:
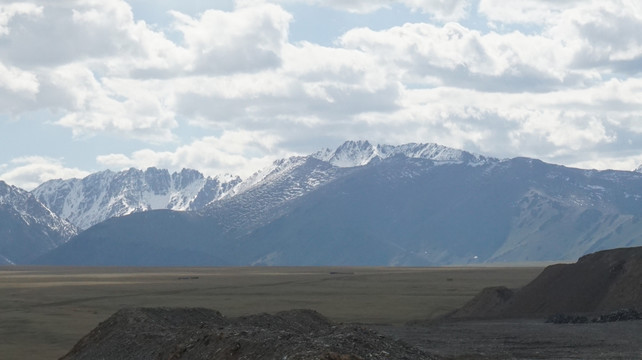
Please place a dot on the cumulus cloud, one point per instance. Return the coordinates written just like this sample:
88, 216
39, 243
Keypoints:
16, 9
106, 70
598, 33
525, 11
18, 81
441, 10
315, 86
30, 171
548, 79
597, 160
92, 48
454, 55
234, 152
246, 40
127, 108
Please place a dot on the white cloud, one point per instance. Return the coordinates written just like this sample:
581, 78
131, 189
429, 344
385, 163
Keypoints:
599, 33
454, 55
126, 108
525, 11
606, 32
234, 152
13, 9
112, 70
246, 40
30, 171
597, 160
315, 86
440, 10
555, 79
18, 81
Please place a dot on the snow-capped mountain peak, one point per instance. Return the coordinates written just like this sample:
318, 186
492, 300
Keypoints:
23, 215
32, 210
349, 154
359, 153
100, 196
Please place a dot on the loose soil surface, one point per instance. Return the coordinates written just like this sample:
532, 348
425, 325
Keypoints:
522, 339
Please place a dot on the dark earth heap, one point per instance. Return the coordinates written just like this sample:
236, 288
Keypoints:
598, 283
193, 333
619, 315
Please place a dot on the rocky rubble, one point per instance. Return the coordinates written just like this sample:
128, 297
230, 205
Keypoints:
178, 333
619, 315
567, 319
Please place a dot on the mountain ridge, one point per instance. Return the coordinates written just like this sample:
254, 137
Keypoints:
399, 211
106, 194
27, 227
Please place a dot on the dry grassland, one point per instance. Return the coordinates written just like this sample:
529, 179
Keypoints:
45, 310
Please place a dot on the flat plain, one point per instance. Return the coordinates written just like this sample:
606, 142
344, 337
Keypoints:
44, 311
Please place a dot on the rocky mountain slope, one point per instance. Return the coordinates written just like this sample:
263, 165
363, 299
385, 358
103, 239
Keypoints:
27, 227
415, 204
100, 196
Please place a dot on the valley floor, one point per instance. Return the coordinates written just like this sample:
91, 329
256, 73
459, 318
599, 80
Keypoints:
44, 311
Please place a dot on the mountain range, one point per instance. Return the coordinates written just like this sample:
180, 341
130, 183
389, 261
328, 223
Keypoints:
358, 204
103, 195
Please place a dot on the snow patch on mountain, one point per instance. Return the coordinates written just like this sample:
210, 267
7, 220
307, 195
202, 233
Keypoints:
263, 196
5, 261
273, 173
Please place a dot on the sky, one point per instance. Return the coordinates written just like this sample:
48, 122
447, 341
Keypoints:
228, 86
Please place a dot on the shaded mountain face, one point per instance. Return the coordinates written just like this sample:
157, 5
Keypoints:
407, 205
100, 196
150, 238
27, 228
403, 211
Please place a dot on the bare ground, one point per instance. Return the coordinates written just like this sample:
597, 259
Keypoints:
523, 339
45, 311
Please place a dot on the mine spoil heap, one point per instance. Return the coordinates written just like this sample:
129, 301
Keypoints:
597, 283
196, 333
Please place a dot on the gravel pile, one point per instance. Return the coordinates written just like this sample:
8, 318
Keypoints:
179, 333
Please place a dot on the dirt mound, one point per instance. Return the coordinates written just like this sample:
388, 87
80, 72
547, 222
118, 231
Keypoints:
490, 302
600, 282
179, 333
